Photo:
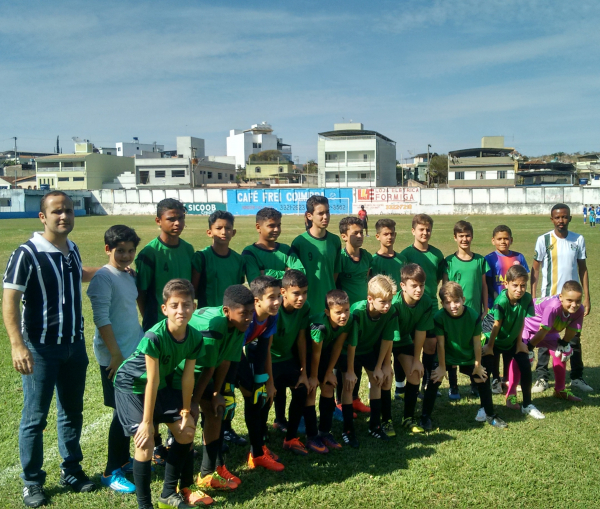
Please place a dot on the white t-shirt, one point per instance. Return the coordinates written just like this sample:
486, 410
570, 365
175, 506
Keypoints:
558, 258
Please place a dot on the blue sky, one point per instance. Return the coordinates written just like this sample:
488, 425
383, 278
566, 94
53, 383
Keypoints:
443, 73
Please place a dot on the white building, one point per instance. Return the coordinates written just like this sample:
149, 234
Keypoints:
260, 137
135, 148
350, 156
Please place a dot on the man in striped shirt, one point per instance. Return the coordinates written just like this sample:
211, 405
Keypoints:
48, 350
559, 257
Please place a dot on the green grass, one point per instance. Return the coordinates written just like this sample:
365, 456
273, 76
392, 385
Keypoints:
549, 463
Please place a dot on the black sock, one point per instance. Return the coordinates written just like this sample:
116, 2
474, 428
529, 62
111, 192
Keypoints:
187, 471
280, 404
295, 412
485, 388
220, 453
522, 360
226, 425
411, 393
399, 371
173, 466
386, 405
429, 399
326, 408
253, 417
348, 413
310, 421
142, 476
452, 376
264, 418
375, 420
428, 361
339, 386
358, 373
209, 458
118, 446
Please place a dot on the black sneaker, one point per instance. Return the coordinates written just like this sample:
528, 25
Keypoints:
224, 447
34, 496
495, 421
426, 423
233, 438
78, 482
349, 438
174, 501
378, 433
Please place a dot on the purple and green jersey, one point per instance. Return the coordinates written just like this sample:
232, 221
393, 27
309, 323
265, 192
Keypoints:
550, 315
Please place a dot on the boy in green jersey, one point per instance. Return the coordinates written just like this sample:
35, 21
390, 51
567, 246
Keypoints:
431, 260
288, 357
328, 331
267, 257
469, 270
143, 395
355, 261
505, 338
415, 317
386, 261
375, 323
458, 331
319, 251
164, 258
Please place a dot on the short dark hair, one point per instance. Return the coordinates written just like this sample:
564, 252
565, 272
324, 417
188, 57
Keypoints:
346, 222
294, 277
267, 213
463, 227
220, 214
314, 200
414, 272
177, 286
385, 223
560, 206
47, 195
572, 286
516, 272
262, 283
120, 233
169, 204
236, 296
502, 228
336, 298
422, 219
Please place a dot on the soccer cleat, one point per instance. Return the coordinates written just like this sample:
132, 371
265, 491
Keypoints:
496, 422
264, 461
349, 438
496, 386
338, 415
159, 456
388, 427
532, 411
34, 496
315, 444
78, 482
567, 395
511, 402
269, 453
227, 475
379, 434
453, 394
117, 482
294, 445
474, 390
481, 416
174, 501
233, 438
581, 384
302, 427
411, 425
216, 482
360, 407
127, 468
329, 442
426, 423
195, 497
540, 385
280, 426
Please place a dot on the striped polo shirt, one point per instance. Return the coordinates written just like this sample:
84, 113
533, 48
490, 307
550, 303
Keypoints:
558, 258
51, 286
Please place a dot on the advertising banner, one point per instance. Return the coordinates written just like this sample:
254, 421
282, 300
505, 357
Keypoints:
203, 209
386, 200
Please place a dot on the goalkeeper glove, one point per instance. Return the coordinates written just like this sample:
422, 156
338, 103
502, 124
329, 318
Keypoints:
230, 404
260, 389
564, 351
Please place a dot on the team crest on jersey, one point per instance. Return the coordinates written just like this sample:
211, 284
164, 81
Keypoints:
573, 247
516, 262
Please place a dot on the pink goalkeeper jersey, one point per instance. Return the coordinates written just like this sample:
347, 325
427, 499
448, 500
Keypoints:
550, 315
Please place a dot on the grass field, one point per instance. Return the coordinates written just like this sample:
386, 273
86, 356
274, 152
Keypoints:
549, 463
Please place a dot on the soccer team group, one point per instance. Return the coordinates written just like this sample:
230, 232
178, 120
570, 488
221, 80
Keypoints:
312, 318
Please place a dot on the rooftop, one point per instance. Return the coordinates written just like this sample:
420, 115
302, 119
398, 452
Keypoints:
354, 133
482, 152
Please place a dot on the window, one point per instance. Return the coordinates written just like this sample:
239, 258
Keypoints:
119, 149
459, 175
331, 157
160, 174
257, 145
76, 203
280, 169
144, 177
137, 148
5, 202
209, 175
363, 175
177, 173
220, 176
231, 176
257, 169
63, 179
480, 175
78, 179
365, 157
501, 174
109, 153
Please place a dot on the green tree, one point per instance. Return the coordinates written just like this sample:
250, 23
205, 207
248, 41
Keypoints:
266, 155
311, 166
438, 169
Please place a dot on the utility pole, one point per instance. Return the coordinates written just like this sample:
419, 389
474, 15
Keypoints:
428, 174
15, 182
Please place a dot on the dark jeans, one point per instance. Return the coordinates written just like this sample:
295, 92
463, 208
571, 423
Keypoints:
60, 367
543, 359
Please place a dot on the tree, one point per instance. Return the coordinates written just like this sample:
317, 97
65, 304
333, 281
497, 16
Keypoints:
311, 166
438, 169
266, 156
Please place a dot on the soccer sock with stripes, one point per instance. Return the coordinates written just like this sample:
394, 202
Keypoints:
295, 412
326, 408
375, 420
310, 421
142, 477
386, 405
209, 458
173, 466
411, 393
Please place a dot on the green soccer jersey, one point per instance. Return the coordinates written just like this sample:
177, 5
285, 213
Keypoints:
160, 344
370, 332
289, 325
412, 318
269, 262
469, 274
155, 266
217, 273
512, 317
321, 258
433, 263
388, 266
321, 330
353, 276
458, 335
